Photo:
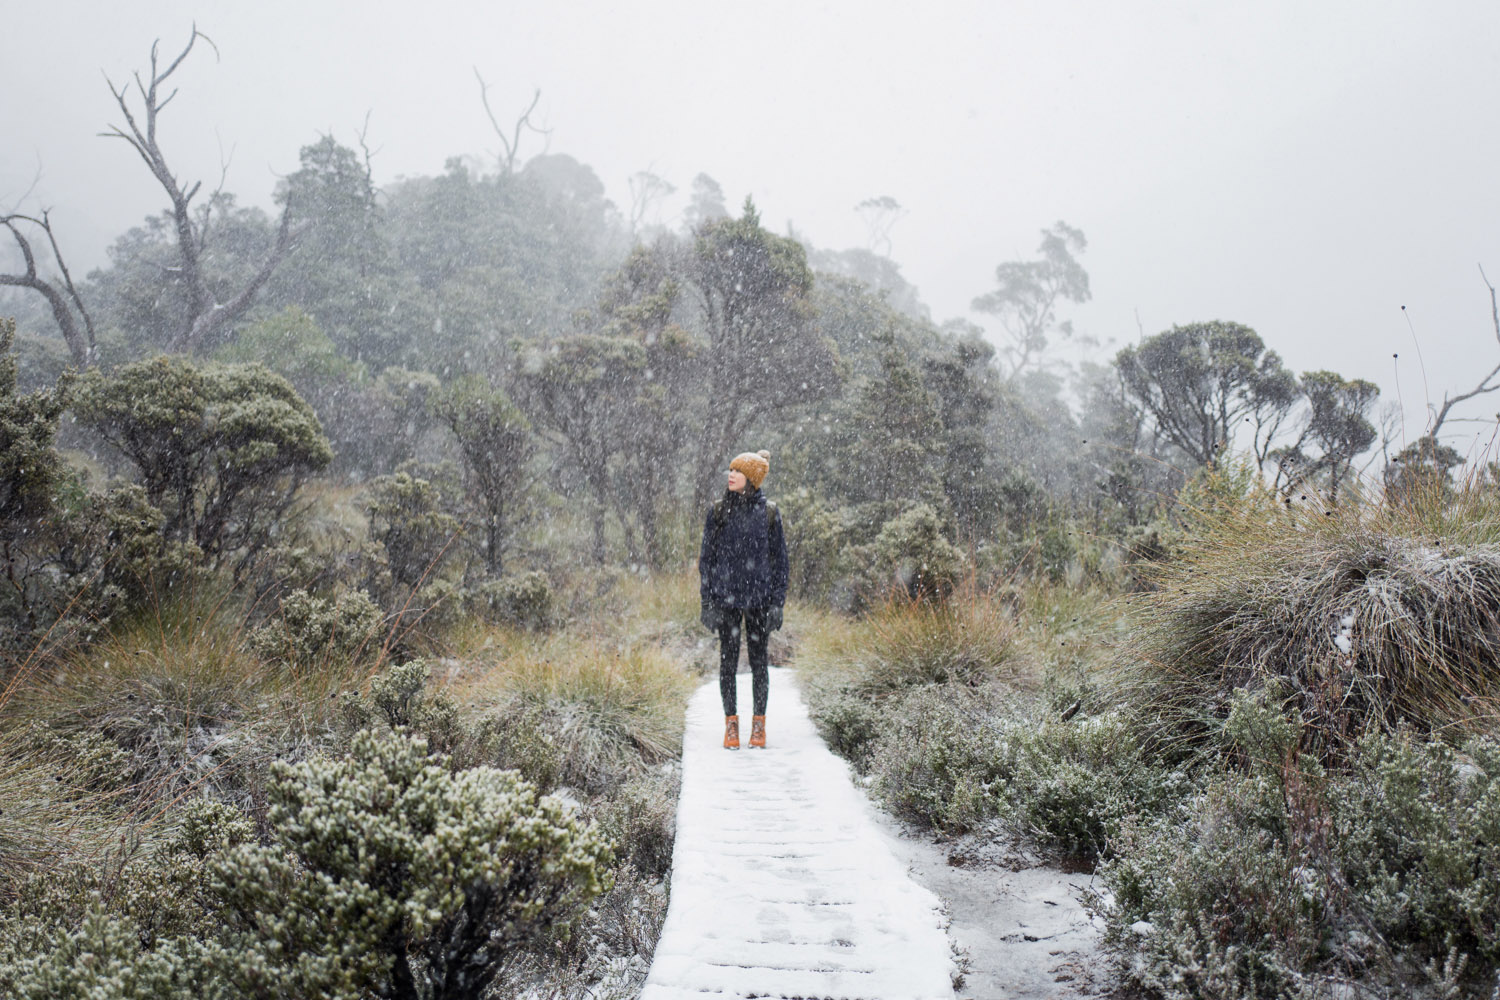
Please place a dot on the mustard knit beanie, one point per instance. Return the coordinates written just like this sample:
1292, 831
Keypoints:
753, 465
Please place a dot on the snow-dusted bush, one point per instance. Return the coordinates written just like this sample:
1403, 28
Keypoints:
392, 875
142, 929
312, 631
1067, 785
912, 553
221, 450
387, 875
935, 762
848, 723
414, 526
524, 600
1361, 616
641, 819
1291, 879
1073, 785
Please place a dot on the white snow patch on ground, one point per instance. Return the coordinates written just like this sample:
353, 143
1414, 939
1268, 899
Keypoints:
1020, 923
783, 883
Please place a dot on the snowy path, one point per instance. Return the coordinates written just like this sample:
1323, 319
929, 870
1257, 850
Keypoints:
783, 886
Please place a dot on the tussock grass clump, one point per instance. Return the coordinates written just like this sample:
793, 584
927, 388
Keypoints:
857, 673
581, 712
1366, 615
909, 643
186, 704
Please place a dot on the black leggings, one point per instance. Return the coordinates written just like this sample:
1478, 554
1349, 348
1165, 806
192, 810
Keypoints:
729, 656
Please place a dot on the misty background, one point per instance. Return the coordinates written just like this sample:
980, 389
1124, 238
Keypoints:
1304, 170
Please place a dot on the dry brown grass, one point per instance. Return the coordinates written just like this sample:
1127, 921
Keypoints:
1362, 614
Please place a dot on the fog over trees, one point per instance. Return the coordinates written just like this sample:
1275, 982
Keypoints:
350, 507
516, 345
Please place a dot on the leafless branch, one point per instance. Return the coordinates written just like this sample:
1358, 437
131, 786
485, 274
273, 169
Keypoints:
364, 147
30, 188
205, 314
1486, 384
81, 343
512, 144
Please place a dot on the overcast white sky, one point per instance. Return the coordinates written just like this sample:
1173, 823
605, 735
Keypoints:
1304, 168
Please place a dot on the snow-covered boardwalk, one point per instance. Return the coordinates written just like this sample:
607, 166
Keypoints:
782, 885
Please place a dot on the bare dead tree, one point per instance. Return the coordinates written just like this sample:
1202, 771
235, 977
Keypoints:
646, 189
1486, 384
881, 215
67, 305
512, 144
205, 315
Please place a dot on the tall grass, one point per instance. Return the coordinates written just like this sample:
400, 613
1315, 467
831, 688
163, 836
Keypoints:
602, 697
1363, 614
968, 640
100, 742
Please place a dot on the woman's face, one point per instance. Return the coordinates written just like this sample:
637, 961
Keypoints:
736, 480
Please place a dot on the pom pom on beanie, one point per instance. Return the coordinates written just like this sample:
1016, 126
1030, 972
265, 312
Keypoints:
753, 465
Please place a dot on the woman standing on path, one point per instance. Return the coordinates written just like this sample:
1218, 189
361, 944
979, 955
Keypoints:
742, 571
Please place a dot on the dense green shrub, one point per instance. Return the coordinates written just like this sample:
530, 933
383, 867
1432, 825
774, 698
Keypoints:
30, 470
310, 631
640, 818
402, 698
913, 550
134, 928
388, 875
414, 524
936, 763
1072, 785
524, 600
1415, 835
848, 723
1286, 880
1069, 786
221, 450
393, 875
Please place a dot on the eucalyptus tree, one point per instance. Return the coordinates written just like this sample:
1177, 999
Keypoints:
497, 444
763, 355
1335, 431
1201, 381
208, 308
1028, 293
583, 389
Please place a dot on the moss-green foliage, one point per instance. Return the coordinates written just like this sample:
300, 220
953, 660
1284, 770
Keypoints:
221, 450
135, 927
914, 549
1069, 786
523, 600
291, 344
858, 557
1271, 883
309, 631
391, 872
30, 470
388, 874
496, 441
412, 521
29, 467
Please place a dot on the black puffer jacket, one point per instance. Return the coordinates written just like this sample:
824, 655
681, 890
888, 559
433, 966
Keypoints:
742, 563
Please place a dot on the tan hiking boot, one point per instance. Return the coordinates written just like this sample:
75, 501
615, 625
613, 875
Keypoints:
758, 731
731, 732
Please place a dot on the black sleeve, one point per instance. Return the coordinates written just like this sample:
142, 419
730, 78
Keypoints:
780, 568
706, 553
